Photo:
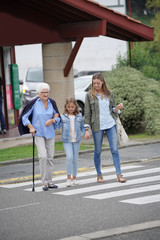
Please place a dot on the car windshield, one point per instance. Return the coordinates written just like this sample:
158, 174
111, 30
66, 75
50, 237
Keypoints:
34, 75
81, 83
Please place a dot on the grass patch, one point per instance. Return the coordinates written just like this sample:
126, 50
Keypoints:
27, 151
17, 153
143, 136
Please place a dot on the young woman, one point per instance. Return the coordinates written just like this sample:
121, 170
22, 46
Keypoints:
39, 117
72, 126
100, 114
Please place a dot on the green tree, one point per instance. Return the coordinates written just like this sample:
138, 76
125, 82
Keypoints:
139, 7
146, 55
142, 60
155, 45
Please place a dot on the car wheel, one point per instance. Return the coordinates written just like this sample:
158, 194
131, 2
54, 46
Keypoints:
81, 107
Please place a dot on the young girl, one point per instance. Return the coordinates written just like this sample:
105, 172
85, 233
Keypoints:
72, 126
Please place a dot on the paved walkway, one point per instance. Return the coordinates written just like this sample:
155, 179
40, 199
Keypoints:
13, 139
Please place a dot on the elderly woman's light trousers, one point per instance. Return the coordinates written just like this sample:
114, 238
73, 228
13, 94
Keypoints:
45, 149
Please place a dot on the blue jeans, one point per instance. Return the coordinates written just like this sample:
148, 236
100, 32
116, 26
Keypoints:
72, 151
113, 143
3, 125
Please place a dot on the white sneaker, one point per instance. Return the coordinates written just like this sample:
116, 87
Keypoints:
75, 182
68, 183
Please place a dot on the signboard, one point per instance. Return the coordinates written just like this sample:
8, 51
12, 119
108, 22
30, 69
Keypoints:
15, 86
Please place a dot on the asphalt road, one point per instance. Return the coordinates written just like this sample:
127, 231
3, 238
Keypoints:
90, 208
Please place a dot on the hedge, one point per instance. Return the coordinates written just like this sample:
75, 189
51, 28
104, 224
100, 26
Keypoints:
140, 97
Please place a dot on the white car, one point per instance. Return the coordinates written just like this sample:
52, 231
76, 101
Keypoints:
81, 86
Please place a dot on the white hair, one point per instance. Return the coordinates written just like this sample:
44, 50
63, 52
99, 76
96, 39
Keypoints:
41, 86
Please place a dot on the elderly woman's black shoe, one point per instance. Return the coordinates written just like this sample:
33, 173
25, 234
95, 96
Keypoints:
52, 186
45, 187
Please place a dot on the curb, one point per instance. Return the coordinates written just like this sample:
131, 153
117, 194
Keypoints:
29, 160
63, 172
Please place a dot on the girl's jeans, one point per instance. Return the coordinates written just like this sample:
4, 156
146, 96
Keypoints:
113, 143
72, 151
45, 149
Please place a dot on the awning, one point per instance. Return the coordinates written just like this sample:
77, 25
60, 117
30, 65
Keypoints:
49, 21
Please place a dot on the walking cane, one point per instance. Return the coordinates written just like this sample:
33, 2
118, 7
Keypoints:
33, 189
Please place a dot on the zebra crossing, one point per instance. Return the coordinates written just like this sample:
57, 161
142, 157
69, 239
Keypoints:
139, 180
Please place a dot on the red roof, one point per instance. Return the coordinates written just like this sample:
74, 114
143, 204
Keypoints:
44, 21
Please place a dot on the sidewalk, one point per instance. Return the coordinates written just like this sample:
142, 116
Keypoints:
13, 139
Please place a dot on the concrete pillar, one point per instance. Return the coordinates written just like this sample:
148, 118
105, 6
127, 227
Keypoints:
55, 56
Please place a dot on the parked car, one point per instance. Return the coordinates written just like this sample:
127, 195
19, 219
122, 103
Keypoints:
35, 76
86, 73
81, 86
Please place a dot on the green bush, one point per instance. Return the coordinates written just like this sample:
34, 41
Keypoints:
152, 106
140, 97
151, 72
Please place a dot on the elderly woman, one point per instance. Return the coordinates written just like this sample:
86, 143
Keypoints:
39, 117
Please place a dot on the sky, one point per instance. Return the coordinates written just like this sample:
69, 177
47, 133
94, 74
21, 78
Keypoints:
28, 56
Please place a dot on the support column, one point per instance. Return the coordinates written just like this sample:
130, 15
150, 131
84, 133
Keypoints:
55, 56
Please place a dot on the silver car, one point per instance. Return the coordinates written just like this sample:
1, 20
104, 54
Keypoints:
33, 77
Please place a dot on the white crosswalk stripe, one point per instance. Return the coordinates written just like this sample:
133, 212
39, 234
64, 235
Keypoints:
84, 174
100, 187
108, 186
143, 200
125, 192
146, 182
92, 180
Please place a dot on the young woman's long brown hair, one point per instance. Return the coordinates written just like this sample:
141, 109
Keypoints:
71, 100
105, 89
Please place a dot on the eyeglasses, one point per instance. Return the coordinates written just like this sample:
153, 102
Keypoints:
45, 93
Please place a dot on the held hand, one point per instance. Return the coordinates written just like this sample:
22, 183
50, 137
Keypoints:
120, 106
56, 115
49, 122
87, 135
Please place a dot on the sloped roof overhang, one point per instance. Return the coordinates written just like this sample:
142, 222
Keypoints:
49, 21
